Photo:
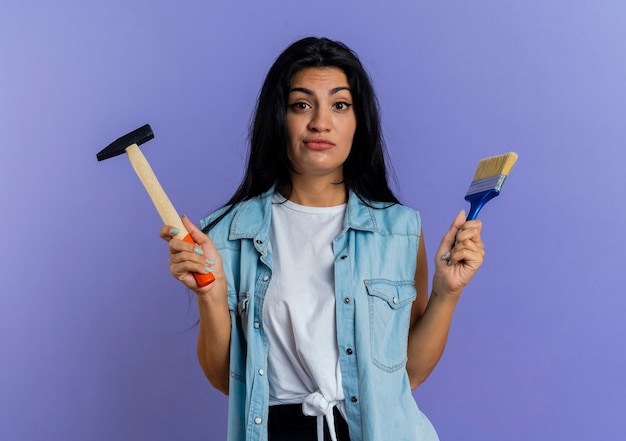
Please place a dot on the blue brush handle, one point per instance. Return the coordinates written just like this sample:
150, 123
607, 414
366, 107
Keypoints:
477, 200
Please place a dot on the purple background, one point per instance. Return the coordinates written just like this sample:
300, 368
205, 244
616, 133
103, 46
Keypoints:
94, 339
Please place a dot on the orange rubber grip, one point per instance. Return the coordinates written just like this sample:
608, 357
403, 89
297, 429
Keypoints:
201, 279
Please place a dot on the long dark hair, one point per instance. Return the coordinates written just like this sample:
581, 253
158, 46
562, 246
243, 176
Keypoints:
364, 171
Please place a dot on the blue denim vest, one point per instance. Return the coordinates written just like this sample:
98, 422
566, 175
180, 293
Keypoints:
375, 260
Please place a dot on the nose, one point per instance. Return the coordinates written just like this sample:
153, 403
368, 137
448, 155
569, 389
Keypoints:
321, 120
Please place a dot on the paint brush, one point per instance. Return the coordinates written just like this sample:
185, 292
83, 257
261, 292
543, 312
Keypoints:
488, 179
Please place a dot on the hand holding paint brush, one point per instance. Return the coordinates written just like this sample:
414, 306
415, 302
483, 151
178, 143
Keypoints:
488, 180
462, 252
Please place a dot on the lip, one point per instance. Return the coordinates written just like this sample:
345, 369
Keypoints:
318, 143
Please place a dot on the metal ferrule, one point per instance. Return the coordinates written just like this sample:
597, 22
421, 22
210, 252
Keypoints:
490, 183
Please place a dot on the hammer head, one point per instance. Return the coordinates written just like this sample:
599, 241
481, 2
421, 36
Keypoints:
119, 146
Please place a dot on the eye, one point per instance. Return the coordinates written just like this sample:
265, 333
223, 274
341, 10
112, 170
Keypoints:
299, 106
342, 105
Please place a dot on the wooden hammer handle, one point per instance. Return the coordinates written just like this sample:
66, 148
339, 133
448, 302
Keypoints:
149, 180
162, 203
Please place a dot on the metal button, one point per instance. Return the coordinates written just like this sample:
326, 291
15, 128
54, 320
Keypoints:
261, 372
266, 278
257, 325
354, 399
257, 420
346, 300
395, 300
349, 351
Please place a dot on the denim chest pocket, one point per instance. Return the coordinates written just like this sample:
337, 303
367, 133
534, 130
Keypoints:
390, 314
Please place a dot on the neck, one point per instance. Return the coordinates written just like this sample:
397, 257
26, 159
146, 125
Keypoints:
317, 192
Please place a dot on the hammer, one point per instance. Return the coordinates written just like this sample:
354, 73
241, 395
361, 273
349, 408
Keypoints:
129, 144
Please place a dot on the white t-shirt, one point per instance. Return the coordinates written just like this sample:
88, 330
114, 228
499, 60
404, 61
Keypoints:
299, 308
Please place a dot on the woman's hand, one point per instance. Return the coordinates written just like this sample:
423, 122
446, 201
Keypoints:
459, 256
186, 258
215, 325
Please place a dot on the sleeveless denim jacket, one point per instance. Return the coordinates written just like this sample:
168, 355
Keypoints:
375, 260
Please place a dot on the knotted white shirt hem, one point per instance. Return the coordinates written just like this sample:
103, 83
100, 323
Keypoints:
316, 405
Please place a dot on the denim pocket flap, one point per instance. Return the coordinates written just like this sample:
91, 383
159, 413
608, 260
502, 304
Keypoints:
395, 293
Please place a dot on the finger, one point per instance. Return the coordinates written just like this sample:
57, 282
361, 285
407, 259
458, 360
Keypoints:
473, 243
168, 232
183, 251
447, 242
470, 230
471, 258
188, 258
467, 240
180, 268
180, 246
467, 246
203, 244
196, 234
205, 248
469, 243
473, 224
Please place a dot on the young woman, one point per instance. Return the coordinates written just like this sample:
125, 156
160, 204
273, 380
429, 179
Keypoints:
319, 323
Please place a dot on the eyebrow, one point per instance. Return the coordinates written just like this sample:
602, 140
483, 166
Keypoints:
310, 92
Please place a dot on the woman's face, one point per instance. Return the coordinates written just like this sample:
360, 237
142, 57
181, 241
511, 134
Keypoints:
320, 122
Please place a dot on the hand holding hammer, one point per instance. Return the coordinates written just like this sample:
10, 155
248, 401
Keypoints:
129, 144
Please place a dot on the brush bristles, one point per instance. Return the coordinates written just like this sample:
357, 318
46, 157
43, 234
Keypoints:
495, 165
